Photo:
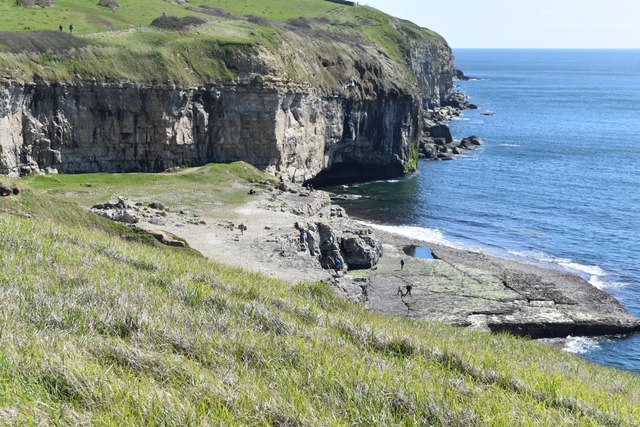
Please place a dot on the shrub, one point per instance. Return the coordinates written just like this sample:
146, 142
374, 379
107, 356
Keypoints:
258, 20
34, 3
112, 4
173, 23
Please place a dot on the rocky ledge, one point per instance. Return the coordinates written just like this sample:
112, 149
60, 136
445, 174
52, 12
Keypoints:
296, 234
467, 288
437, 142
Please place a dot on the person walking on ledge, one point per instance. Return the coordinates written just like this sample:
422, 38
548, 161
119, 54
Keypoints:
401, 264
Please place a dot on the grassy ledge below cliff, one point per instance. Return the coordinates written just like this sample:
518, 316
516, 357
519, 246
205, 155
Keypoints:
101, 329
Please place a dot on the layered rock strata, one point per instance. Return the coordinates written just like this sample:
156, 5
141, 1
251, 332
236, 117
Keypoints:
366, 126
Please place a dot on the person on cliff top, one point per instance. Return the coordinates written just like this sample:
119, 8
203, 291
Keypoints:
71, 28
408, 292
61, 28
242, 228
401, 263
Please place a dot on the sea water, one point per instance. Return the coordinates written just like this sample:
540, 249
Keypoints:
556, 182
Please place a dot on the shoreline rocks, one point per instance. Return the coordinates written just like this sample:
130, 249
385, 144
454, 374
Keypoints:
472, 289
456, 287
437, 142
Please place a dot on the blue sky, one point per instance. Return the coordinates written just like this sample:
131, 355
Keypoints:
524, 24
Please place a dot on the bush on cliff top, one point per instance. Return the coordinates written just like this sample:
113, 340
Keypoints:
99, 330
34, 3
173, 23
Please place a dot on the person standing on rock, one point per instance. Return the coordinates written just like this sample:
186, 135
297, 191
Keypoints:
401, 263
338, 264
242, 227
408, 288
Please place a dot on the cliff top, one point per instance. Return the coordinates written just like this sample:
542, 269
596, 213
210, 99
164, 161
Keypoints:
229, 41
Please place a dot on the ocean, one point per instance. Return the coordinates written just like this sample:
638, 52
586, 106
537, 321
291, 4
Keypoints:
556, 182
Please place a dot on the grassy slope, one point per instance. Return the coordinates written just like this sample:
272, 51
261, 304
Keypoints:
89, 17
190, 184
101, 330
124, 47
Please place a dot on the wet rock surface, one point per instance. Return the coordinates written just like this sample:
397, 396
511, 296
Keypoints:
472, 289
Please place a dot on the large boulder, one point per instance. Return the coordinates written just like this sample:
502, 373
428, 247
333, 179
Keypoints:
329, 245
356, 249
361, 250
438, 130
471, 142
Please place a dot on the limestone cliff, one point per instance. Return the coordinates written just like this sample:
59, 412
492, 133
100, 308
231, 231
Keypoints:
354, 115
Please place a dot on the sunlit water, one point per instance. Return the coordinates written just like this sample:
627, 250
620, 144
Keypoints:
556, 182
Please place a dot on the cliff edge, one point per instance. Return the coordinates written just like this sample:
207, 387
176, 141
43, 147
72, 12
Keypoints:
338, 94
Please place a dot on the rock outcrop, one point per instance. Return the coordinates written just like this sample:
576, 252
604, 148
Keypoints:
437, 142
360, 123
355, 247
8, 190
472, 289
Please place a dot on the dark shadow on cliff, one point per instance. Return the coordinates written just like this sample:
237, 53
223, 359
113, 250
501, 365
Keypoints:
350, 173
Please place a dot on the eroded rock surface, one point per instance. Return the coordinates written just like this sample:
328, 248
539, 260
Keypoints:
473, 289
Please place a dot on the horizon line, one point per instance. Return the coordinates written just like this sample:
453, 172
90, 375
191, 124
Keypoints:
549, 48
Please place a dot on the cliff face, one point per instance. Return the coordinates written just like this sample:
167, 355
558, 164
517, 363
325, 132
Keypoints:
366, 128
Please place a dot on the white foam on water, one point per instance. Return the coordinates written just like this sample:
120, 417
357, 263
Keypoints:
592, 270
602, 284
596, 275
580, 345
509, 145
432, 235
568, 264
356, 185
538, 256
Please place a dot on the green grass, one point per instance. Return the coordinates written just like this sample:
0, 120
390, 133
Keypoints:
412, 161
101, 330
87, 16
123, 47
184, 188
276, 10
